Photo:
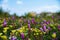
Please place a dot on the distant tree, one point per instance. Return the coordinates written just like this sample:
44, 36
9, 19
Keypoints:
43, 14
6, 14
1, 11
58, 13
15, 15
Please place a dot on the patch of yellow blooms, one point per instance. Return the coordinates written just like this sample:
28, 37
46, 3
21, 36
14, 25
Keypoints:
1, 34
54, 35
13, 31
22, 29
37, 31
4, 37
5, 29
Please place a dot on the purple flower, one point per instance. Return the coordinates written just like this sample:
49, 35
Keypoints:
28, 25
47, 22
41, 29
13, 17
13, 38
4, 23
49, 28
22, 35
33, 20
44, 28
52, 16
28, 21
44, 21
58, 27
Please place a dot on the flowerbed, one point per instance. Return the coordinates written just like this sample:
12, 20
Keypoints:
29, 28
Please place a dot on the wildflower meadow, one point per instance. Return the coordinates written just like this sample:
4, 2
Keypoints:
31, 26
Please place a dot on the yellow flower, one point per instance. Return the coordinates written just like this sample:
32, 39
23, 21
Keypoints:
16, 33
51, 25
4, 31
20, 30
23, 27
1, 21
6, 28
1, 25
41, 33
13, 31
36, 30
29, 39
10, 26
26, 28
44, 32
1, 34
54, 35
4, 37
37, 33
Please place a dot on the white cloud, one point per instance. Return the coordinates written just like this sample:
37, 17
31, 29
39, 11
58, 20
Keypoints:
52, 8
4, 4
47, 8
19, 2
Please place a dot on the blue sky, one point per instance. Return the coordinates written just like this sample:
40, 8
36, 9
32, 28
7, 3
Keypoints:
23, 6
